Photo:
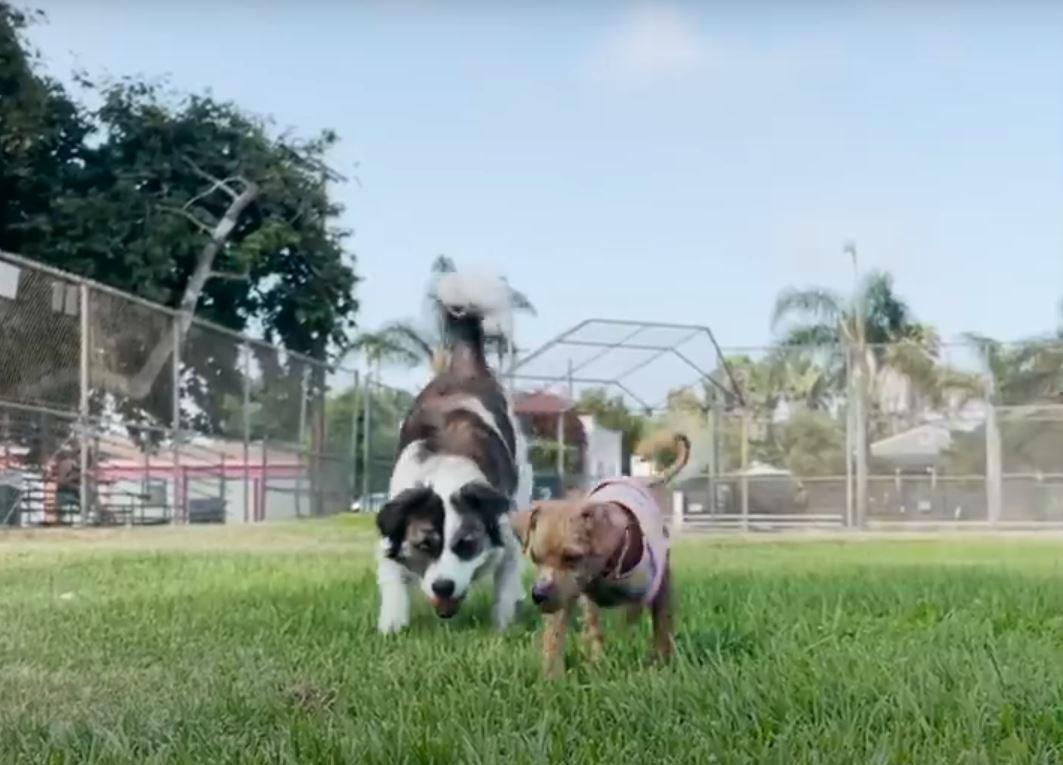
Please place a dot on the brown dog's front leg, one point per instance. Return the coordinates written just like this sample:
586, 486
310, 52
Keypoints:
661, 609
554, 642
592, 628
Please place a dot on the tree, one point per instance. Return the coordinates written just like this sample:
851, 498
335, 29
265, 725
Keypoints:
812, 444
1021, 373
186, 201
388, 406
871, 331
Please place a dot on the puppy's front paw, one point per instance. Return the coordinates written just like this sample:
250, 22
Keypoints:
503, 613
392, 622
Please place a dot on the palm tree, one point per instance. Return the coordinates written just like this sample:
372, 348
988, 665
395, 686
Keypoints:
872, 330
385, 346
1021, 373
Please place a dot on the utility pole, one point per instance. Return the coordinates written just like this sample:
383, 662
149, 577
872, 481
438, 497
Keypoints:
858, 387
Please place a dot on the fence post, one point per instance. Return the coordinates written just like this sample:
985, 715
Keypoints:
994, 478
245, 410
179, 495
260, 511
366, 442
678, 511
355, 401
561, 451
319, 488
300, 439
850, 403
710, 500
83, 404
745, 469
860, 384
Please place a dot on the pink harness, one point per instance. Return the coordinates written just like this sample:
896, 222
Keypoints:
644, 580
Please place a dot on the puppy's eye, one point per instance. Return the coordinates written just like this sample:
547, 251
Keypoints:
571, 558
466, 548
428, 545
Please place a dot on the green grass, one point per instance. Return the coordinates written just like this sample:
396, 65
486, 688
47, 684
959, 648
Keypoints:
257, 645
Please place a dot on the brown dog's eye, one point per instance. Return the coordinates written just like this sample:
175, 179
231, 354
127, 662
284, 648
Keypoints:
570, 558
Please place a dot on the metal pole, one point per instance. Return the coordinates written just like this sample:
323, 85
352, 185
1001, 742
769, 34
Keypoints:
561, 451
861, 447
994, 468
179, 497
849, 404
221, 482
710, 500
260, 511
83, 405
355, 401
367, 439
745, 469
246, 414
303, 393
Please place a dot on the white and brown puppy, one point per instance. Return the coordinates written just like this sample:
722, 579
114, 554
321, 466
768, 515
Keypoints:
461, 472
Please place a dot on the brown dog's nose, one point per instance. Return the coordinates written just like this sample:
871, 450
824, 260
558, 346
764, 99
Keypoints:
541, 593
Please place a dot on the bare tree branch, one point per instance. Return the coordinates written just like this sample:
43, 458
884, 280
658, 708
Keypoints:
206, 229
219, 183
231, 276
222, 184
139, 385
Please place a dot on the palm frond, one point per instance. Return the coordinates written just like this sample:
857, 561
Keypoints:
443, 264
519, 301
812, 335
412, 337
382, 347
814, 304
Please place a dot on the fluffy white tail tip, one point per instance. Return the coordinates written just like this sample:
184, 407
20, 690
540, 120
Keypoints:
480, 294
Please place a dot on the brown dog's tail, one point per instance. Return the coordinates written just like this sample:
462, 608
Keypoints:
682, 456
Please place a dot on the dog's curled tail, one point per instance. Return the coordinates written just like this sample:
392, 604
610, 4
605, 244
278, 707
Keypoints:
682, 457
473, 305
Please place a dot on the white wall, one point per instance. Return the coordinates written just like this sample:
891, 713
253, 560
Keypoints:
604, 455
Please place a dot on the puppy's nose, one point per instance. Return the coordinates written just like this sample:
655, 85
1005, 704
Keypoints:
443, 588
541, 593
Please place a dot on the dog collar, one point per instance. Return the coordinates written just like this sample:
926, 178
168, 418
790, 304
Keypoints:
611, 569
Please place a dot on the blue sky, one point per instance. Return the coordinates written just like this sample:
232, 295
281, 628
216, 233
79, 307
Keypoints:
654, 161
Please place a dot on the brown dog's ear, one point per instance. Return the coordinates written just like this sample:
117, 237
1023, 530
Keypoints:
524, 524
521, 522
590, 513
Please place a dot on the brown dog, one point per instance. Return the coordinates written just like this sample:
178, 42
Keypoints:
606, 549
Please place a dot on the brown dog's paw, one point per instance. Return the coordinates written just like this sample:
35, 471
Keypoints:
554, 670
661, 655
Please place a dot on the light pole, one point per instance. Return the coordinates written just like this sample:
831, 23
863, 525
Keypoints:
858, 387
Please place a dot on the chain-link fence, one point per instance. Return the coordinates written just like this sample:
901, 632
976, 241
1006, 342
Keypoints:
115, 410
892, 436
914, 434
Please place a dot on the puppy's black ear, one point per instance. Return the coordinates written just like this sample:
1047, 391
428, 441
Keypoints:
487, 502
481, 498
391, 520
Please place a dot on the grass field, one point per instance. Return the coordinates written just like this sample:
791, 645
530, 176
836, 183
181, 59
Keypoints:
257, 645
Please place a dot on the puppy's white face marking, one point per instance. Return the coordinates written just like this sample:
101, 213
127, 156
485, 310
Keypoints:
446, 474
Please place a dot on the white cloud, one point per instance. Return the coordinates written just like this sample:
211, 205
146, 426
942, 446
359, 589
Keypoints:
652, 42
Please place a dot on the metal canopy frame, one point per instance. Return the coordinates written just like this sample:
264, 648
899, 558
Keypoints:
629, 342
